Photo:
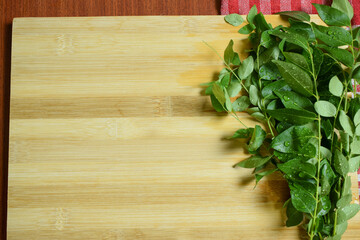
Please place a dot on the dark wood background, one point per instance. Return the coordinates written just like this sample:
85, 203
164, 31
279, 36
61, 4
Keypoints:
10, 9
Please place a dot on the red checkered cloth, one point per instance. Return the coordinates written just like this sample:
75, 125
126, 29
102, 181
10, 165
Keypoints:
273, 6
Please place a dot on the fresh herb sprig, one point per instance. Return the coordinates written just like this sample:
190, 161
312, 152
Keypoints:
296, 81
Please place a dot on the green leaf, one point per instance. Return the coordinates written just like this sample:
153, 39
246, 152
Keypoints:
307, 152
357, 118
349, 211
257, 139
355, 145
234, 87
324, 206
252, 13
259, 116
332, 36
298, 15
267, 40
344, 6
346, 189
241, 104
269, 54
295, 77
242, 133
246, 68
344, 201
219, 94
354, 164
303, 27
297, 59
294, 100
297, 169
234, 19
327, 127
224, 78
341, 228
327, 177
228, 103
341, 55
332, 16
318, 57
268, 90
345, 141
260, 22
294, 217
325, 108
341, 165
302, 199
248, 28
229, 53
269, 71
274, 104
293, 139
216, 105
254, 95
253, 162
336, 87
293, 116
357, 130
325, 153
292, 38
346, 123
259, 176
236, 59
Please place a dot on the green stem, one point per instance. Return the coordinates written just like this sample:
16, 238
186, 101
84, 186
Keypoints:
312, 227
237, 118
335, 118
338, 187
227, 65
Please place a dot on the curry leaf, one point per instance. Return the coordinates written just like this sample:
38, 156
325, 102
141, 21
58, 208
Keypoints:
253, 161
302, 199
257, 138
325, 108
340, 163
335, 86
332, 16
295, 77
344, 6
246, 68
293, 116
332, 36
234, 19
298, 15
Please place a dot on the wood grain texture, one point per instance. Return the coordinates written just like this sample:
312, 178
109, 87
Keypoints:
50, 8
110, 137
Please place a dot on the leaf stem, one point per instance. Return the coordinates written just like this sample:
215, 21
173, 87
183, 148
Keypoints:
335, 118
227, 65
313, 222
237, 118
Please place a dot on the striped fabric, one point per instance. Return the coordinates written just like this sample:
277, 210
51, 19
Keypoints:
273, 6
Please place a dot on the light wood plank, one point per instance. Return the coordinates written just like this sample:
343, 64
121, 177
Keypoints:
110, 137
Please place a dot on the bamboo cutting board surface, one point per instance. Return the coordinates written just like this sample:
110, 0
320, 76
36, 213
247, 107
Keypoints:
110, 137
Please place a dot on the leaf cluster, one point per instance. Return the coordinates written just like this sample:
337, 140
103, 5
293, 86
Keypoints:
295, 83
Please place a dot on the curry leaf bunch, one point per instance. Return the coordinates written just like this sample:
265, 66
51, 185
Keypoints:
299, 81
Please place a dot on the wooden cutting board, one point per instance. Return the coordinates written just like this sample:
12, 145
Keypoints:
111, 138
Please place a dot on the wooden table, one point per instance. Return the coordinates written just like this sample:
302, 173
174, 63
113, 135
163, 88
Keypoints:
50, 8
